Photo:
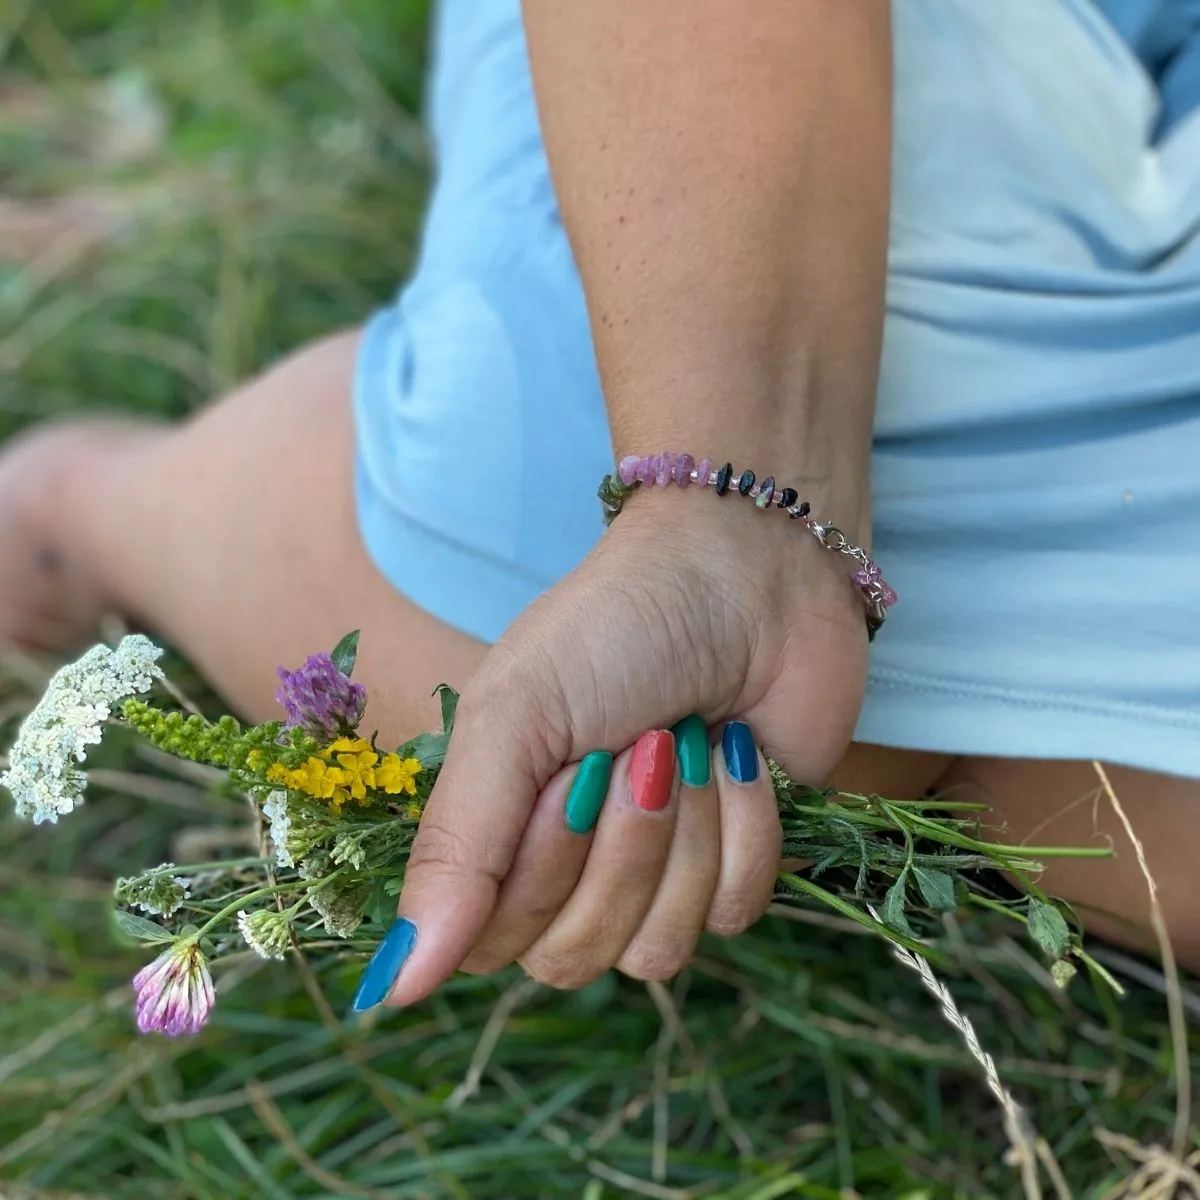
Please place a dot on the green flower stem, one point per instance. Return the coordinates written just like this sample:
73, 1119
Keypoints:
242, 901
1054, 851
227, 863
940, 805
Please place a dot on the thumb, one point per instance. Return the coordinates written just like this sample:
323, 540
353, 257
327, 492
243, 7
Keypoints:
499, 759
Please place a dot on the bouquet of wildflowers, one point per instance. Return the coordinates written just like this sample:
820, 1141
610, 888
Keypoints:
337, 814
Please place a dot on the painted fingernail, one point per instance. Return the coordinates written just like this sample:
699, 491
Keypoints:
652, 770
741, 754
588, 790
691, 744
385, 964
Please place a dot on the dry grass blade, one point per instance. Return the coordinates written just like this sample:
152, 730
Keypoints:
673, 1020
1021, 1137
1158, 1175
492, 1032
1183, 1074
271, 1116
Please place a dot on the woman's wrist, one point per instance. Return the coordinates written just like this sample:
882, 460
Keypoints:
756, 497
825, 477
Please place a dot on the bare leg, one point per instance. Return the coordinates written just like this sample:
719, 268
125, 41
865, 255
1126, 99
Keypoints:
233, 535
1061, 803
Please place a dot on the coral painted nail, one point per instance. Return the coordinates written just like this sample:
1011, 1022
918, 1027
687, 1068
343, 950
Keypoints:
652, 770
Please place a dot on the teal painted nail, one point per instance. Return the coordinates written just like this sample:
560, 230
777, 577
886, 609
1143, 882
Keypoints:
691, 744
587, 793
385, 964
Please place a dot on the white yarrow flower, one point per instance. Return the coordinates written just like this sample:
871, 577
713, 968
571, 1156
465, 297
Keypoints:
275, 810
266, 932
42, 775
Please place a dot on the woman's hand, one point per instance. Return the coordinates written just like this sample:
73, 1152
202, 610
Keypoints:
689, 606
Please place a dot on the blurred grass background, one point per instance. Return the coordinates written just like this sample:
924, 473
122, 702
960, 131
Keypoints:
188, 190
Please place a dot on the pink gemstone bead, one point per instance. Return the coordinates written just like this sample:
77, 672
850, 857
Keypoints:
682, 471
663, 463
861, 578
703, 471
627, 469
644, 472
889, 595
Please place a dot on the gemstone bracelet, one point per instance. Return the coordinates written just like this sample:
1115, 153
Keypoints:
682, 469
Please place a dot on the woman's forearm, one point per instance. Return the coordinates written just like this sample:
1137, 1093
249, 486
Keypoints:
722, 167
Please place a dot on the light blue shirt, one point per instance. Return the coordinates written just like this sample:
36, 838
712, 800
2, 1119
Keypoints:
1036, 473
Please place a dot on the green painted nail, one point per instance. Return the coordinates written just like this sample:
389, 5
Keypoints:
586, 797
691, 742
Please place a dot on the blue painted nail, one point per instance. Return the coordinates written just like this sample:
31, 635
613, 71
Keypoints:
741, 754
385, 964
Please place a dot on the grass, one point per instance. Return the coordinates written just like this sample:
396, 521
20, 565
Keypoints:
275, 194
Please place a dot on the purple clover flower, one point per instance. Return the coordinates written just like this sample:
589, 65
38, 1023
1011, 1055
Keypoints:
175, 992
320, 699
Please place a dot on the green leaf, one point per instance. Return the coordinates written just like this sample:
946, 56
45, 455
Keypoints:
1048, 928
937, 888
345, 653
429, 749
138, 929
893, 907
449, 699
381, 908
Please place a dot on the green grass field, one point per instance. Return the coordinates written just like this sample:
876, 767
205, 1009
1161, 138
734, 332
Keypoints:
243, 177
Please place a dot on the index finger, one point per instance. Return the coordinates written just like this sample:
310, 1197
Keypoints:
498, 760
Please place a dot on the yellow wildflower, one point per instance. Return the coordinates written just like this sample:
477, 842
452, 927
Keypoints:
357, 761
347, 768
316, 777
395, 775
348, 745
278, 773
412, 810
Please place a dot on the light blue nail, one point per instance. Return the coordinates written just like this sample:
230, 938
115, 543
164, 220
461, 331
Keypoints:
385, 964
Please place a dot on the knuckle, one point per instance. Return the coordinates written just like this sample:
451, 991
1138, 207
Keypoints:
655, 962
731, 915
565, 972
484, 962
443, 851
438, 846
